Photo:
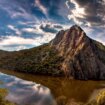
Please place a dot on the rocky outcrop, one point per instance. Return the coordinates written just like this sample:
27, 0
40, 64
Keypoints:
83, 57
71, 53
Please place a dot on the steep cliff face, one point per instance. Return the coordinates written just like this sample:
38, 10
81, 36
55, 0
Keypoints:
71, 53
84, 58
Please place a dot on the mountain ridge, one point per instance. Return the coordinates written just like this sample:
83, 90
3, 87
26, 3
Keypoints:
71, 53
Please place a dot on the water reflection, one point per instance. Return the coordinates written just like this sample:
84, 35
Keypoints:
63, 90
25, 92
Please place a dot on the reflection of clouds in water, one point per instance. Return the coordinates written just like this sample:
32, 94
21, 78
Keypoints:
25, 92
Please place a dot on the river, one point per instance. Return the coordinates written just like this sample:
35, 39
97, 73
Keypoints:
28, 89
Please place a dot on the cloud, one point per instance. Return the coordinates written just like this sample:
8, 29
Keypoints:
13, 42
43, 28
95, 33
17, 32
50, 28
17, 9
41, 33
29, 30
41, 7
58, 26
13, 48
28, 35
100, 36
88, 12
28, 23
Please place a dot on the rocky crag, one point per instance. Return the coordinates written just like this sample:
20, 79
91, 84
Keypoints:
71, 53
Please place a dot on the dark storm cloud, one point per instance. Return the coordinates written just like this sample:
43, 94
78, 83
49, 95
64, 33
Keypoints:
58, 26
88, 12
50, 28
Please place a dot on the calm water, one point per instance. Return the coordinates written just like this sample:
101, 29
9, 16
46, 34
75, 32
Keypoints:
28, 89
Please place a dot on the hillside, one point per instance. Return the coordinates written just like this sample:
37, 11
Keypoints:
38, 60
71, 53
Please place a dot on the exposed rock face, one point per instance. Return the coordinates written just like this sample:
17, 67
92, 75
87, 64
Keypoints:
84, 58
71, 53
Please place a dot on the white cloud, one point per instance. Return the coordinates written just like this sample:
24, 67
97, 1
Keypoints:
9, 42
22, 13
20, 48
77, 12
67, 4
98, 36
29, 30
89, 13
35, 30
16, 10
41, 7
43, 28
17, 32
28, 23
101, 37
15, 40
11, 48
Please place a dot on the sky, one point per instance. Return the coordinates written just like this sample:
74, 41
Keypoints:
29, 23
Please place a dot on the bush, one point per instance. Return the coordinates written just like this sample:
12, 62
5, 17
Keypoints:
3, 93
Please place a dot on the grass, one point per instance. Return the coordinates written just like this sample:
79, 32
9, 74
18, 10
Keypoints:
98, 100
3, 93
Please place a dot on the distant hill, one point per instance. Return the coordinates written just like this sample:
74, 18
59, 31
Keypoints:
71, 53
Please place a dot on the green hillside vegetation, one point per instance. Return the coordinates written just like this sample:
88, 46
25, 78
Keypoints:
39, 60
